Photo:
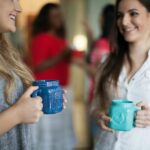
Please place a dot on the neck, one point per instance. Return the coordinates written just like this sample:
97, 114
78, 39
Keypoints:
139, 51
53, 32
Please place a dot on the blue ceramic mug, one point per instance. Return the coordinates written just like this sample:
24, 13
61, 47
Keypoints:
51, 94
122, 114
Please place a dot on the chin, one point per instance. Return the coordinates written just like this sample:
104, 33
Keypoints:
11, 29
129, 39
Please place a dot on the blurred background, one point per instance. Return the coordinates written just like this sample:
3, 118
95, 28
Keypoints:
76, 13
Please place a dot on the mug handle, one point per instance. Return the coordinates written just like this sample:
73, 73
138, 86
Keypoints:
35, 93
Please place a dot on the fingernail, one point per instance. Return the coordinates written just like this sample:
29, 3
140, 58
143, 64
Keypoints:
64, 107
64, 90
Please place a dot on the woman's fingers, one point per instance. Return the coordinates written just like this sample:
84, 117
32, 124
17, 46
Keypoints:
64, 91
103, 125
103, 121
64, 99
143, 105
140, 125
143, 117
142, 122
30, 90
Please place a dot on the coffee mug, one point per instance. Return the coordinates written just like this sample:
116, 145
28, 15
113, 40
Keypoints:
51, 93
122, 114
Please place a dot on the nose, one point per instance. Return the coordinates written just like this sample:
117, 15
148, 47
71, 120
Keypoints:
125, 20
18, 7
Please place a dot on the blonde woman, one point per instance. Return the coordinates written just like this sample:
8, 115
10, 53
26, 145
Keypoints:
17, 108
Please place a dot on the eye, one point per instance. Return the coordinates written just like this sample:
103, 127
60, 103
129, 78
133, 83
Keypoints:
134, 13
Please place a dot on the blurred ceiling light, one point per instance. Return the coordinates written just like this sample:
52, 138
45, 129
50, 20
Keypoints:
80, 42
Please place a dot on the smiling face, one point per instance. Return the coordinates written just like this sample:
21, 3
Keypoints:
8, 13
133, 20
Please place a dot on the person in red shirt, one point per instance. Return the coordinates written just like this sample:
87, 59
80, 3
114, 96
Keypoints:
50, 59
50, 54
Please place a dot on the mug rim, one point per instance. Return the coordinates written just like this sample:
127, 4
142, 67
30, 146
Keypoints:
45, 82
121, 101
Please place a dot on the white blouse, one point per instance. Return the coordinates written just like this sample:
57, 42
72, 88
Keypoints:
137, 89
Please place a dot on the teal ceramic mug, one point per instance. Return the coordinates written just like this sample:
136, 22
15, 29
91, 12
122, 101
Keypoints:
122, 114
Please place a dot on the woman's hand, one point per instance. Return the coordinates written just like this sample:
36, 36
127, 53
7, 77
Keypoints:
79, 62
102, 120
142, 119
28, 109
64, 99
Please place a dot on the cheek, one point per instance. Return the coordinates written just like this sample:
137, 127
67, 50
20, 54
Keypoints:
2, 22
147, 25
144, 27
57, 22
143, 23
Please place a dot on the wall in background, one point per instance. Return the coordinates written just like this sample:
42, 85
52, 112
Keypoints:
74, 11
74, 14
31, 7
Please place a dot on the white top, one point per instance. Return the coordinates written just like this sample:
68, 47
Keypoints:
137, 89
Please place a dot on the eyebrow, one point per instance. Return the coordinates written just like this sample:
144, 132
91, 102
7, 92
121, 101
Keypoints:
130, 10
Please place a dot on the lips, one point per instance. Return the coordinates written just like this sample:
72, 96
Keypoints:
128, 30
13, 17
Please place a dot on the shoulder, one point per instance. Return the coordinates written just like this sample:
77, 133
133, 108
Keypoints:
18, 90
3, 104
102, 41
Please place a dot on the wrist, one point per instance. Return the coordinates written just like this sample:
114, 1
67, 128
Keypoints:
95, 113
16, 113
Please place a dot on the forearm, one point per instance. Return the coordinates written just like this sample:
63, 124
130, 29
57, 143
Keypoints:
8, 119
96, 108
46, 64
91, 71
50, 62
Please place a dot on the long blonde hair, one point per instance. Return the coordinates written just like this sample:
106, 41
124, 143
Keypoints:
10, 63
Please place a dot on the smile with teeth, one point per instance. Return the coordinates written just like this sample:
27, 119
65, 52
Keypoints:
128, 30
13, 17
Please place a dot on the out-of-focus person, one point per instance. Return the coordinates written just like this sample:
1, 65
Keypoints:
50, 59
99, 48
